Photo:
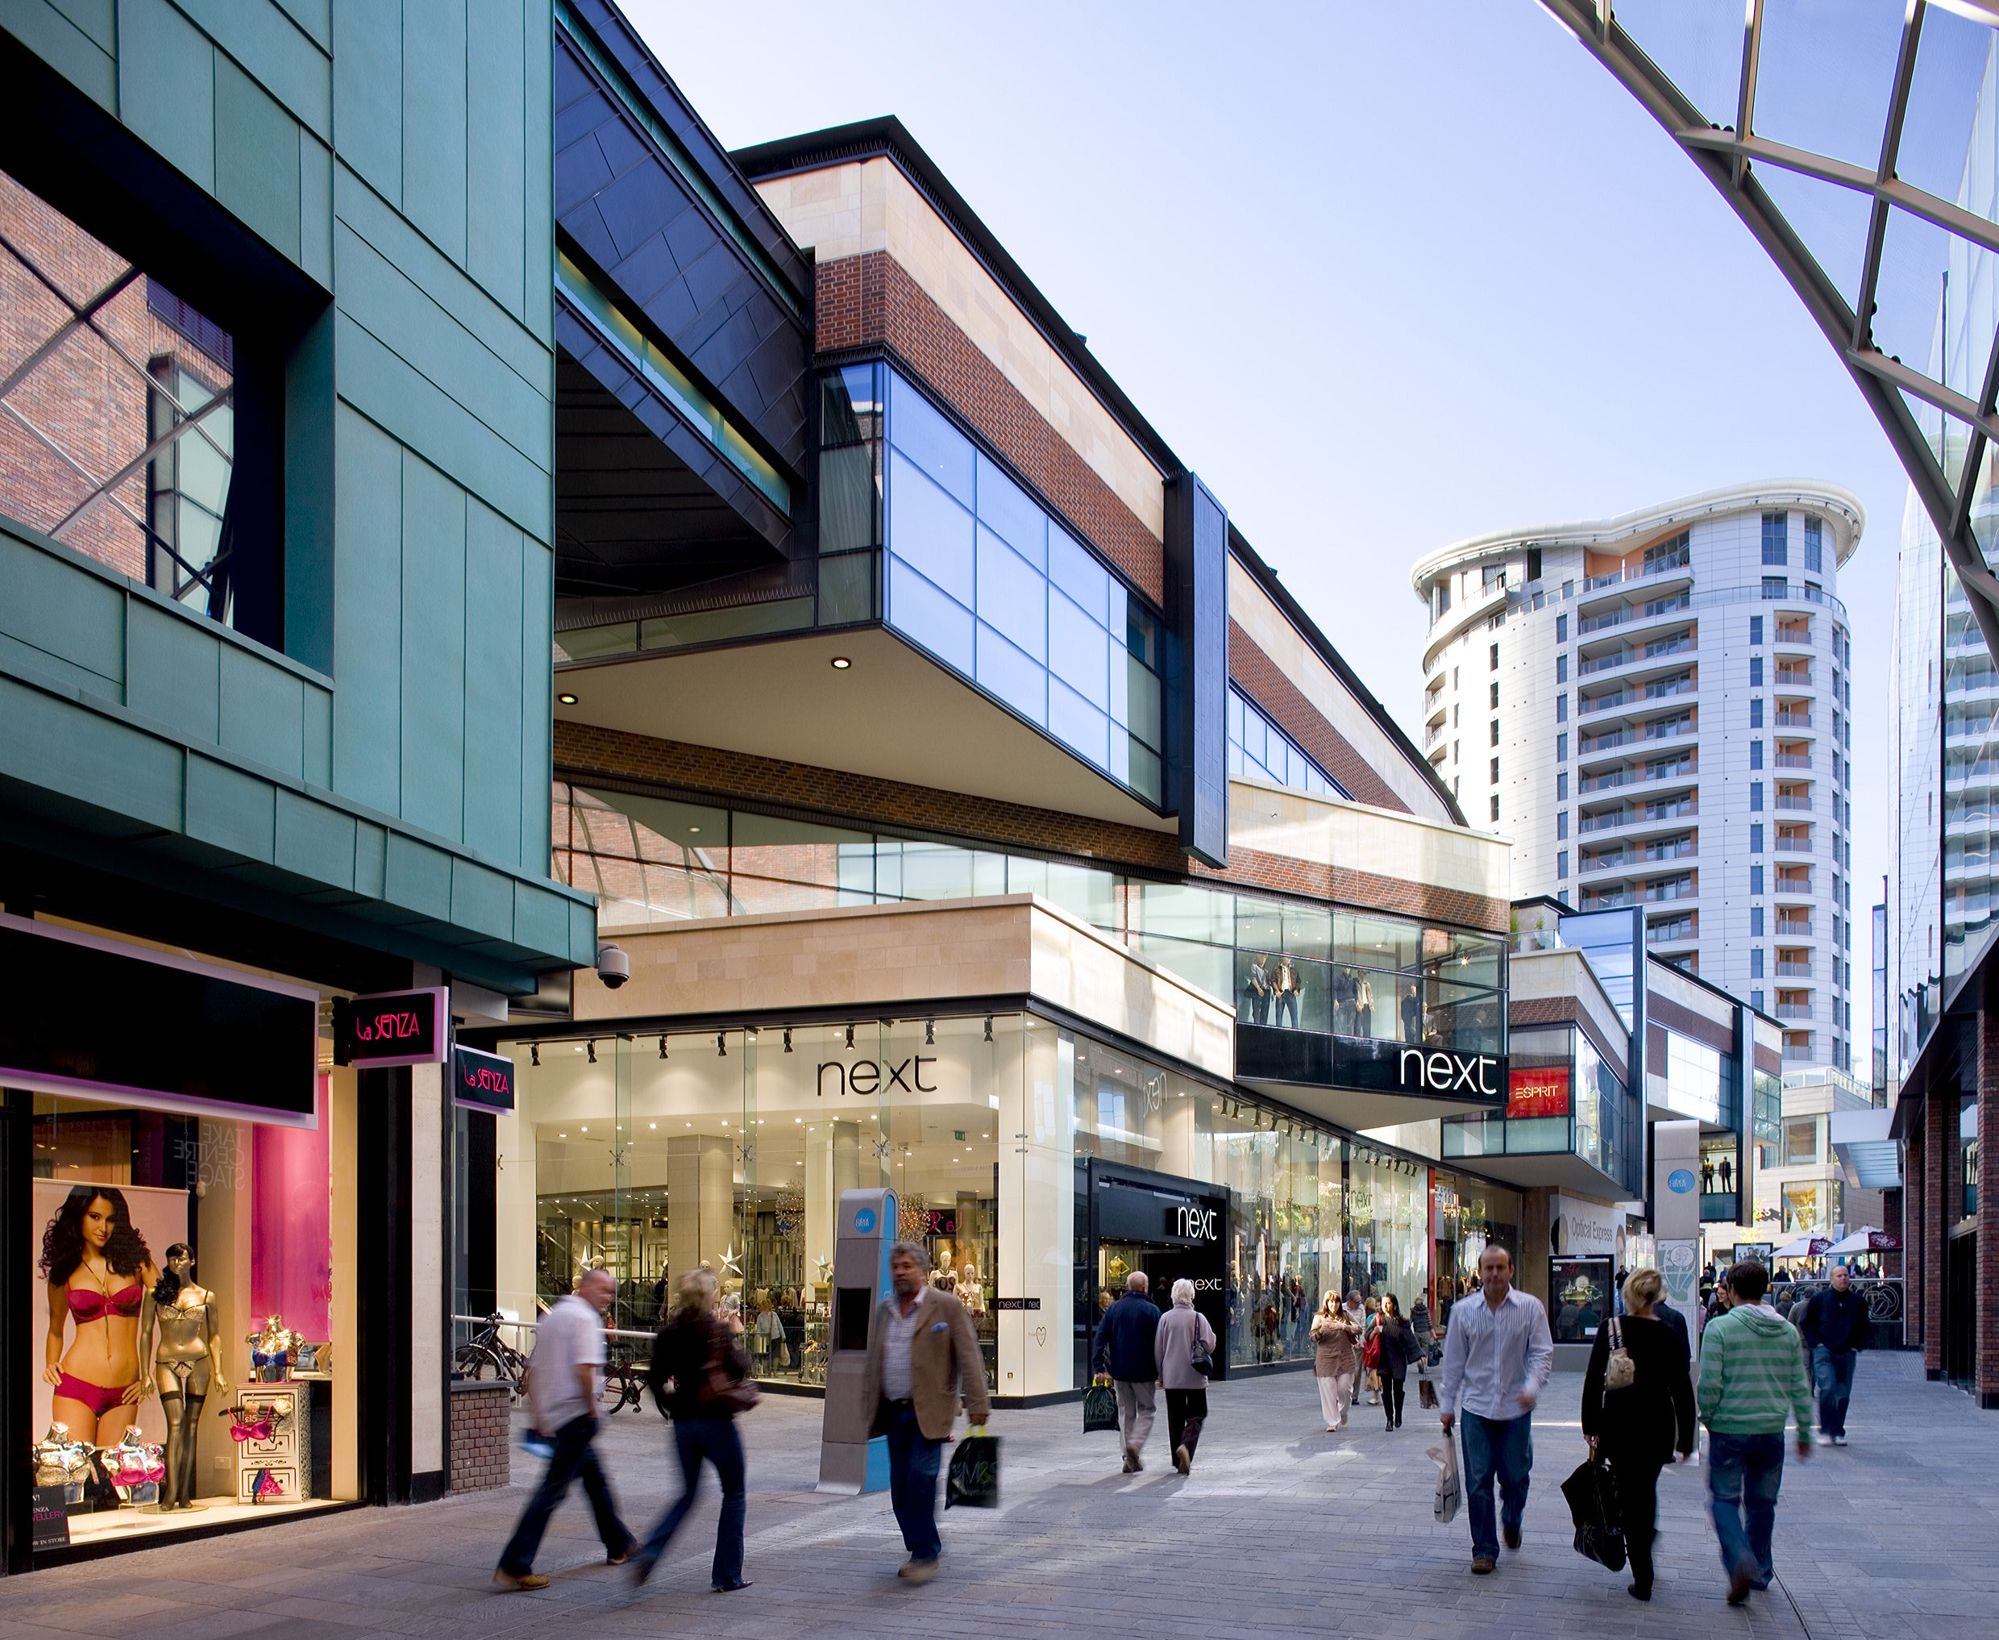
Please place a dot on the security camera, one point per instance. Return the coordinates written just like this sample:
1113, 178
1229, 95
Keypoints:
614, 966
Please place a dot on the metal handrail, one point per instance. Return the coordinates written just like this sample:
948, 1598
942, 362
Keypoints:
609, 1332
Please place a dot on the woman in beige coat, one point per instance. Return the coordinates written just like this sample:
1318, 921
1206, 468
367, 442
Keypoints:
1335, 1359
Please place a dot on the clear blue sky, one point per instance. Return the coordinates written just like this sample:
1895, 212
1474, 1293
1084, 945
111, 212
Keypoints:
1385, 276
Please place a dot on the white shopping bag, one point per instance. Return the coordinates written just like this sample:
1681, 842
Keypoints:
1450, 1491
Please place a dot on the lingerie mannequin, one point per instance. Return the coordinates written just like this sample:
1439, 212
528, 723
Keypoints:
186, 1364
271, 1350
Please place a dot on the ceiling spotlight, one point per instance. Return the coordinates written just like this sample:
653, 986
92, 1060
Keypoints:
930, 1033
593, 1050
850, 1037
787, 1039
721, 1045
662, 1044
534, 1053
989, 1027
841, 663
567, 700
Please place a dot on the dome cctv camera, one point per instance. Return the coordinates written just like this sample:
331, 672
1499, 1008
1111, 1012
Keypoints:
614, 966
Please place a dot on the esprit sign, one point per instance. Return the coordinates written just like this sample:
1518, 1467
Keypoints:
1194, 1223
482, 1081
876, 1075
1436, 1070
390, 1028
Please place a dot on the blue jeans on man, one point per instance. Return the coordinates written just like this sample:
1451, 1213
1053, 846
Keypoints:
710, 1440
573, 1459
913, 1462
1499, 1449
1744, 1475
1832, 1378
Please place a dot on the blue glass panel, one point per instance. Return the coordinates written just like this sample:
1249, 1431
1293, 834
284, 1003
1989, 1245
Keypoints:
1017, 679
917, 608
1120, 765
1145, 778
1005, 508
1012, 595
1079, 651
1072, 569
921, 433
930, 530
1073, 719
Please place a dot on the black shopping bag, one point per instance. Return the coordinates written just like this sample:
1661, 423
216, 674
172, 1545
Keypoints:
1099, 1408
974, 1477
1592, 1494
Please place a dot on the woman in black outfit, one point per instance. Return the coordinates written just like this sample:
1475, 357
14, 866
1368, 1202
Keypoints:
695, 1353
1399, 1348
1639, 1428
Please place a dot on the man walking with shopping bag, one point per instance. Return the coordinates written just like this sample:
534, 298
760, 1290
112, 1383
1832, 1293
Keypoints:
1497, 1356
1836, 1328
1126, 1349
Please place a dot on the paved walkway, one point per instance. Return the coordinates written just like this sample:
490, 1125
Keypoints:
1281, 1529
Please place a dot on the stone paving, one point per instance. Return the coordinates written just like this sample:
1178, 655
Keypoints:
1281, 1529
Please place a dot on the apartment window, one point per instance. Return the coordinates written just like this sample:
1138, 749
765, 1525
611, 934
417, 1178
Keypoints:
1756, 671
1533, 563
1756, 1000
1756, 962
1561, 669
1756, 754
1755, 711
1495, 806
1494, 727
1493, 657
1562, 863
1756, 629
1755, 797
1562, 747
1561, 824
1562, 787
1776, 542
1494, 697
1756, 879
1756, 838
1562, 708
1495, 771
1756, 925
1814, 545
1443, 597
1562, 622
1490, 576
1775, 586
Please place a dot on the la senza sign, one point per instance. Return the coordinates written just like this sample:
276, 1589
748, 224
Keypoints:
390, 1028
481, 1081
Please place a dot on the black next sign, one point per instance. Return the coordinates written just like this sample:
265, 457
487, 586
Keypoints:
391, 1028
482, 1081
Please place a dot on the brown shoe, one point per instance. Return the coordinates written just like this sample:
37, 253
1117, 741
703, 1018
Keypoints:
1482, 1564
520, 1582
1739, 1586
1512, 1536
919, 1571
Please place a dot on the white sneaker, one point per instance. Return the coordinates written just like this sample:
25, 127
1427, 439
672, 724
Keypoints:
1839, 1440
1823, 1439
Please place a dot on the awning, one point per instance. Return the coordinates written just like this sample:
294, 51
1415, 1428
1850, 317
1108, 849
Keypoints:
1803, 1247
1867, 1241
1869, 1154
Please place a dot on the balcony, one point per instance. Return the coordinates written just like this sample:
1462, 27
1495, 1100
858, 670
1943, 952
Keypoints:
1793, 1010
1795, 805
1794, 760
1795, 718
1795, 677
1794, 845
1794, 970
1681, 644
1639, 572
1794, 928
1795, 884
1680, 931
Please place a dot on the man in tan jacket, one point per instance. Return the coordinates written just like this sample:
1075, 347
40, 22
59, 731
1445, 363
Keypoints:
921, 1353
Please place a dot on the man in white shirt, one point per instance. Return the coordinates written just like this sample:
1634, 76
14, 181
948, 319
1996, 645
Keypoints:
1497, 1354
563, 1381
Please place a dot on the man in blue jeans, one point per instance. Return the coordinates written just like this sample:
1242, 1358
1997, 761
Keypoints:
1752, 1377
1836, 1328
1497, 1354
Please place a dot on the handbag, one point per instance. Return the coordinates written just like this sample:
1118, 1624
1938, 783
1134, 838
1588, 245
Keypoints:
973, 1480
1620, 1371
1370, 1353
1592, 1493
1426, 1394
1200, 1359
722, 1394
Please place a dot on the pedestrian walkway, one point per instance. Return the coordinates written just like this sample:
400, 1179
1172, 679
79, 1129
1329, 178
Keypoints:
1281, 1529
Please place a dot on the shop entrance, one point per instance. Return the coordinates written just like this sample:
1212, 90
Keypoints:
1170, 1228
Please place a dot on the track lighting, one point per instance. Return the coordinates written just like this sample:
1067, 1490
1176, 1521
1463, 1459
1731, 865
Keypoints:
534, 1053
787, 1039
850, 1037
989, 1027
721, 1044
930, 1033
593, 1050
662, 1045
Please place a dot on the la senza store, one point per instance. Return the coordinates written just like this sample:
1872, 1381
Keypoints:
180, 1314
1038, 1162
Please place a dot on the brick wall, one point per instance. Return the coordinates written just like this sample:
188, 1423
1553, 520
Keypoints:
583, 752
481, 1436
871, 300
1915, 1237
1259, 677
1940, 1156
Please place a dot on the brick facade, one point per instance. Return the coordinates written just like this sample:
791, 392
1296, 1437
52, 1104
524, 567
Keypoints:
871, 300
1529, 1011
1260, 678
481, 1435
1915, 1238
1940, 1155
584, 752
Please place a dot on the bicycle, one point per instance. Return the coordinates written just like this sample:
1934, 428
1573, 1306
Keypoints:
624, 1382
489, 1357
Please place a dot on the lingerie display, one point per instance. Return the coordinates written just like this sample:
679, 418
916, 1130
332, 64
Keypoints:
272, 1350
60, 1461
135, 1467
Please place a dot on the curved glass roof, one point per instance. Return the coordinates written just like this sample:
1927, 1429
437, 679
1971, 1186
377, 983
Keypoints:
1859, 142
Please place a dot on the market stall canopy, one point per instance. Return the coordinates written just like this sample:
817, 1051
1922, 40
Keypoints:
1803, 1247
1868, 1241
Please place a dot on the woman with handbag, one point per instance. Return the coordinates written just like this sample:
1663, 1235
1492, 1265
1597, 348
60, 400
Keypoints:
1638, 1410
1395, 1346
1185, 1347
1335, 1358
701, 1381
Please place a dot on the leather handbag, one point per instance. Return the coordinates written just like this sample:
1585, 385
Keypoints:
723, 1393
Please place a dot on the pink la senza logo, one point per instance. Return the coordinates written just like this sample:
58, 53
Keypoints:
485, 1079
406, 1026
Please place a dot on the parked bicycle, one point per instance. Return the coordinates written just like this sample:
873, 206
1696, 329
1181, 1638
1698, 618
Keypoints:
488, 1356
624, 1380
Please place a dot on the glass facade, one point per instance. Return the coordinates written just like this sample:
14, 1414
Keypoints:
982, 576
1259, 750
1603, 1124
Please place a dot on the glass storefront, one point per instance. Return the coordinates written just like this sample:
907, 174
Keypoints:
1468, 1215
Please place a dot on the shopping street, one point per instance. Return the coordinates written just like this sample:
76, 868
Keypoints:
1280, 1529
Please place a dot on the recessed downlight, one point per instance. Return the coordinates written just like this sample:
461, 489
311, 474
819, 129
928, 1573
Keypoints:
841, 663
567, 700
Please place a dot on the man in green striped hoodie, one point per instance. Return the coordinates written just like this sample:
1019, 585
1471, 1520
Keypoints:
1752, 1376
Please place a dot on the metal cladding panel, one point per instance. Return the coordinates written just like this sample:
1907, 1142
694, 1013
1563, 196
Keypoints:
1197, 666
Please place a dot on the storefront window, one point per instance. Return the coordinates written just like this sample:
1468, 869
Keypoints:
1388, 1228
1467, 1216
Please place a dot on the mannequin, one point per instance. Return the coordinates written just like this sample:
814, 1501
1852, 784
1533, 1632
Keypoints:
186, 1363
970, 1292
